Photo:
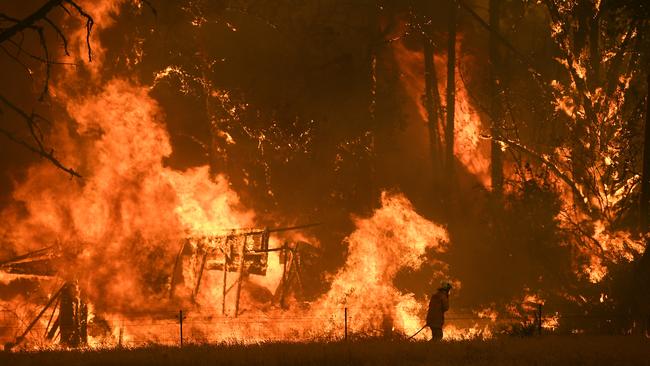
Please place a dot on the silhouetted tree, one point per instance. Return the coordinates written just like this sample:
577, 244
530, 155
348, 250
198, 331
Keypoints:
12, 34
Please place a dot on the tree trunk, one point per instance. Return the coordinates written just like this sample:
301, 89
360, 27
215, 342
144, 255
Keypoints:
594, 51
371, 189
496, 110
642, 273
432, 99
645, 177
451, 91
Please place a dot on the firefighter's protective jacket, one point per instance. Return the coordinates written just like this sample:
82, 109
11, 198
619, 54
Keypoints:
438, 305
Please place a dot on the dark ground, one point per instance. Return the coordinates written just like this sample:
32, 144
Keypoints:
551, 350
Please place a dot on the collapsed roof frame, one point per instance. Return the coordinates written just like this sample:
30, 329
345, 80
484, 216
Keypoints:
242, 254
72, 320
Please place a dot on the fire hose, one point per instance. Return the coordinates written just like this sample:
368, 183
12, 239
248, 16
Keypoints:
416, 333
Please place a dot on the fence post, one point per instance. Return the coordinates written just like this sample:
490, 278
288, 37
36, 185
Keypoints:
180, 318
539, 318
345, 315
119, 339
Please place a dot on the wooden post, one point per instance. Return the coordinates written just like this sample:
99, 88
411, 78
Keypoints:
295, 263
225, 276
120, 336
345, 315
283, 289
225, 279
198, 280
83, 322
180, 320
67, 314
539, 318
240, 280
177, 266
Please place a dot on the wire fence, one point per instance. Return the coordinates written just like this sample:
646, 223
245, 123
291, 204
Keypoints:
183, 327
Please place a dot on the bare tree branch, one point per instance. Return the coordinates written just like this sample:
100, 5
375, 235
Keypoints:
60, 33
27, 69
30, 20
37, 135
89, 24
37, 58
19, 27
46, 83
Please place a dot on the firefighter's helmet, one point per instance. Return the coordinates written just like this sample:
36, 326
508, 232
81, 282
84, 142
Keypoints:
445, 286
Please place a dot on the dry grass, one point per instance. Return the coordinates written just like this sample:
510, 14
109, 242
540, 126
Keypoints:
551, 350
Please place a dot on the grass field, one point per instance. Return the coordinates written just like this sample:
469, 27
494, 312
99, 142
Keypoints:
550, 350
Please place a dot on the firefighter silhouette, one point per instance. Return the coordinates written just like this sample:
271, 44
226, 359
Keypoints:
438, 305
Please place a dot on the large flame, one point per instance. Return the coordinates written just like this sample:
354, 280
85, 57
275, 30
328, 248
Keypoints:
394, 238
123, 222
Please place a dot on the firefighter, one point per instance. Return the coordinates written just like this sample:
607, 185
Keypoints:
438, 305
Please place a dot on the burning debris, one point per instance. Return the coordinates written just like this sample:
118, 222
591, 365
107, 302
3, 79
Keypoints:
241, 251
71, 322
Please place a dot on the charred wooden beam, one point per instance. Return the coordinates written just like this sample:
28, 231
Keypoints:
67, 315
224, 290
240, 280
28, 256
256, 231
41, 267
283, 284
204, 258
175, 270
73, 317
82, 322
21, 337
49, 322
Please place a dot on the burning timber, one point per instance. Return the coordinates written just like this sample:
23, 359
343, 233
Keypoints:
241, 251
70, 324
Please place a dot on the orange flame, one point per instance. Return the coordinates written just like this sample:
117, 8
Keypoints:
395, 237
